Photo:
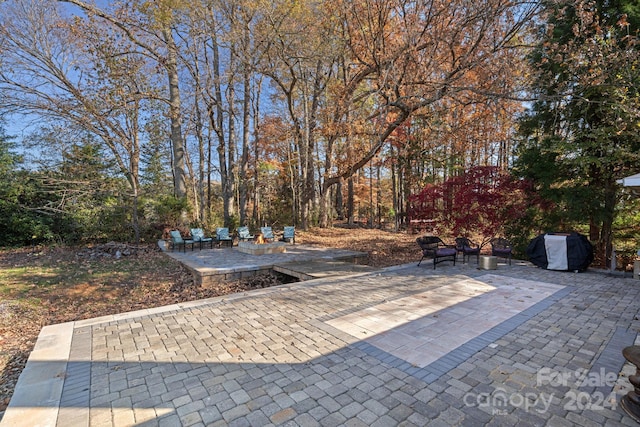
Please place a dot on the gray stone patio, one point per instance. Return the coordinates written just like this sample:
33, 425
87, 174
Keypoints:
401, 346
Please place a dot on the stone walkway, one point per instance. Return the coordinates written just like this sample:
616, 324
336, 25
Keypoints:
403, 346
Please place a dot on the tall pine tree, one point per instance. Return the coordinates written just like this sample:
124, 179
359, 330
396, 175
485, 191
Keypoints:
581, 134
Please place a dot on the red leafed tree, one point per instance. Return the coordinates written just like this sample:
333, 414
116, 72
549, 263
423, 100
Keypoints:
476, 204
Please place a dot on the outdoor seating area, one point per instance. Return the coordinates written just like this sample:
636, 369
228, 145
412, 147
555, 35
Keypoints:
435, 248
212, 213
197, 237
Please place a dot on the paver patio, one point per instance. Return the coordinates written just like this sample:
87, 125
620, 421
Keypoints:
401, 346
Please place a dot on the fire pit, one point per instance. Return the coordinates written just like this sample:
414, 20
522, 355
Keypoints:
254, 248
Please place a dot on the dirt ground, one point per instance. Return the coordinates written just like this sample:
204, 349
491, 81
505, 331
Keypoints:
44, 286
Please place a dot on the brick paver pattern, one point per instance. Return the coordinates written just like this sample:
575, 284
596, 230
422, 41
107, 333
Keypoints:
371, 350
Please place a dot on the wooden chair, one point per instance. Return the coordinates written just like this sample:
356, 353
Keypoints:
501, 247
435, 248
468, 249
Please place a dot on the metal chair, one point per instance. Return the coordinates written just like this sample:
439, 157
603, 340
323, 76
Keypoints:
468, 249
244, 234
177, 241
223, 237
267, 234
502, 248
197, 235
289, 234
435, 248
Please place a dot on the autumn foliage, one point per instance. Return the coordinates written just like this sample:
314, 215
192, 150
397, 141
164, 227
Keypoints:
477, 203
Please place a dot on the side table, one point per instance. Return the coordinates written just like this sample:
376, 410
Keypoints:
488, 262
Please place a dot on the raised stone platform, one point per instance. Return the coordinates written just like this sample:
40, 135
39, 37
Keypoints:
212, 266
253, 248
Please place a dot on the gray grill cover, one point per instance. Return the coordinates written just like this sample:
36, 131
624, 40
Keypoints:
579, 252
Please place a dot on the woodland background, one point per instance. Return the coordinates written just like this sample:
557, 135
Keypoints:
123, 118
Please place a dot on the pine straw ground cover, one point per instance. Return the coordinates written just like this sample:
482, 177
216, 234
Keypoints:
43, 286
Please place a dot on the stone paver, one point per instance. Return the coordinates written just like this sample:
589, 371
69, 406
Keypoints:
403, 346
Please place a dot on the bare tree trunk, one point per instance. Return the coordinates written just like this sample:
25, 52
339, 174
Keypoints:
256, 154
192, 184
325, 199
325, 208
606, 231
216, 119
339, 200
229, 188
350, 201
371, 211
294, 182
306, 171
175, 115
134, 162
202, 155
394, 188
244, 157
378, 196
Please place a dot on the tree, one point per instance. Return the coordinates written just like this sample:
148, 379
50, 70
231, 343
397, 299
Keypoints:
482, 201
220, 47
301, 62
346, 76
11, 214
580, 136
28, 201
405, 59
148, 26
77, 74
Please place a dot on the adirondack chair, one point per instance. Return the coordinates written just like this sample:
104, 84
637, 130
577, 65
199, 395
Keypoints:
435, 248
